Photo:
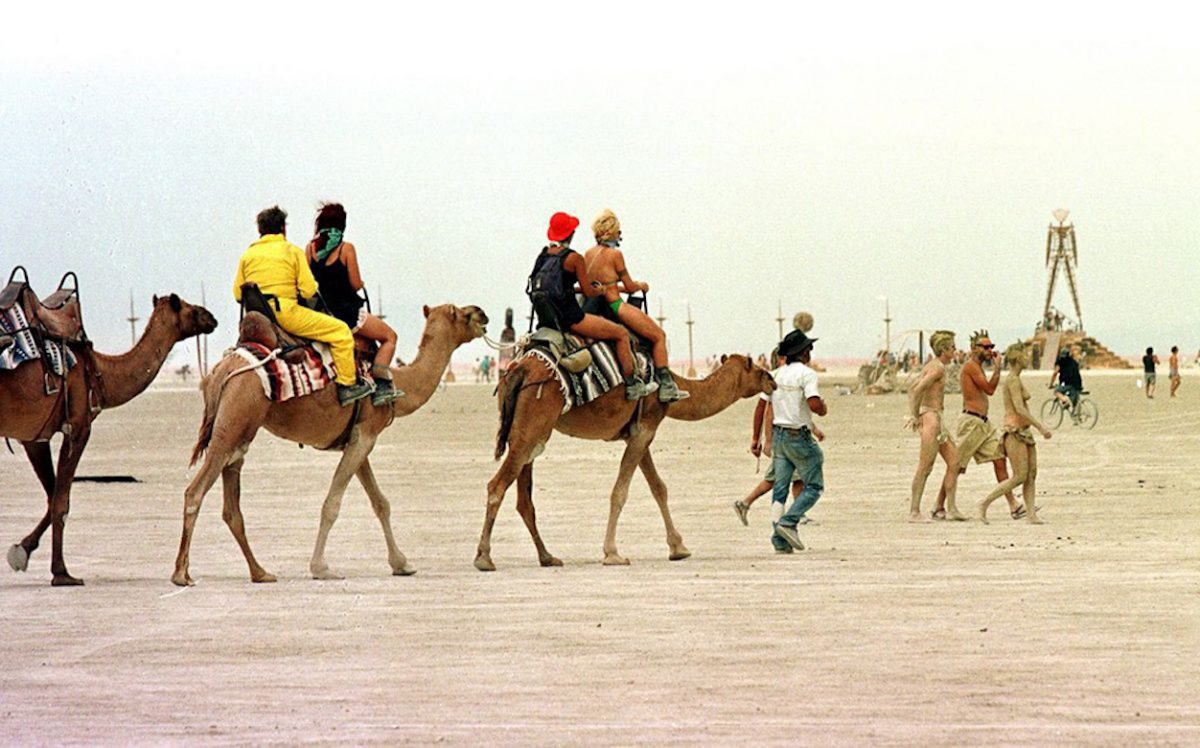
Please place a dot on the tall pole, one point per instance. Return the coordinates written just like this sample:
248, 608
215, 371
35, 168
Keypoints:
887, 326
202, 361
779, 319
132, 319
691, 370
662, 317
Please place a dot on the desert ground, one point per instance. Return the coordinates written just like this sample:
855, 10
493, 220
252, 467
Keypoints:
1083, 630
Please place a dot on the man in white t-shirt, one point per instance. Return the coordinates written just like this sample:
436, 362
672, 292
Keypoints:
794, 401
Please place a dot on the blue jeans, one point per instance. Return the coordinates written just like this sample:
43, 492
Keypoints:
1070, 392
797, 457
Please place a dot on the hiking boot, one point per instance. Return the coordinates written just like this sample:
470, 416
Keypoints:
742, 510
668, 391
789, 534
357, 391
385, 392
636, 389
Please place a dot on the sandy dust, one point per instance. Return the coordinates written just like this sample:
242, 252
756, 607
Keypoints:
1082, 630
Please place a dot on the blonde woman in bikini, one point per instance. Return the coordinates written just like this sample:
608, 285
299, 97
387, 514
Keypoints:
926, 400
1018, 438
607, 270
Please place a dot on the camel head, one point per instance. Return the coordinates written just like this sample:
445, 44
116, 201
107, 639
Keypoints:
188, 319
466, 323
752, 378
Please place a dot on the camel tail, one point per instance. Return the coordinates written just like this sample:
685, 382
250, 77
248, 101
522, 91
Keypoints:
206, 424
508, 406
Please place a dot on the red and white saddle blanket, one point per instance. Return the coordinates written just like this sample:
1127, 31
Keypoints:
283, 381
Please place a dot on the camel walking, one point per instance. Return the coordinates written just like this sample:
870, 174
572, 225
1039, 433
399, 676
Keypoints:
531, 404
30, 416
318, 421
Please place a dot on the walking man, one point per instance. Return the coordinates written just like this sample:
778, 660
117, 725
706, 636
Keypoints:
977, 437
926, 401
794, 401
1148, 363
1173, 365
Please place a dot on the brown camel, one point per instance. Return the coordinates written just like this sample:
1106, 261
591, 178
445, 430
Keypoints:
318, 421
531, 403
31, 416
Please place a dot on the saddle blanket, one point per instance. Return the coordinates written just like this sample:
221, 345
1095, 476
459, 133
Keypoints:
24, 347
603, 375
283, 381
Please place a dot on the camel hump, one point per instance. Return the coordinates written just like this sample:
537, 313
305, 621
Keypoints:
256, 328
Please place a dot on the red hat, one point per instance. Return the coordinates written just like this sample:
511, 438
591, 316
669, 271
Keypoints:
561, 226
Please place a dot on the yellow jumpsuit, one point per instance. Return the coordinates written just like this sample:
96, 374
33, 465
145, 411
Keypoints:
280, 269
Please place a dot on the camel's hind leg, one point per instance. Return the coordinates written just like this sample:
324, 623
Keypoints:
193, 497
635, 447
659, 489
383, 510
231, 477
497, 487
352, 458
43, 466
527, 512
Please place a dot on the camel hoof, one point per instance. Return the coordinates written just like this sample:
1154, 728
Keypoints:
326, 574
615, 560
182, 580
65, 580
551, 561
404, 571
263, 578
484, 563
18, 559
680, 554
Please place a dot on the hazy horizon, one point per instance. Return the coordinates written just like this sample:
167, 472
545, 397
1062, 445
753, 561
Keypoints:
821, 158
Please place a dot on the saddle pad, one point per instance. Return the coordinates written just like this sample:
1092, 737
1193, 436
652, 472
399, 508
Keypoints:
603, 375
283, 381
24, 347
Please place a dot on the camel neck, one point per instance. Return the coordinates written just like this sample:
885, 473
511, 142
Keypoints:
125, 376
420, 379
709, 396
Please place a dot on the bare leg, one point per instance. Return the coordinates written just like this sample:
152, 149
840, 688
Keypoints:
592, 326
352, 458
1016, 450
383, 512
43, 466
764, 487
1001, 470
231, 478
929, 451
376, 329
1031, 489
950, 481
640, 322
527, 512
68, 461
635, 447
658, 489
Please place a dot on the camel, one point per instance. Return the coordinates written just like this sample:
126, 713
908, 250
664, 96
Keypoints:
318, 421
31, 416
531, 403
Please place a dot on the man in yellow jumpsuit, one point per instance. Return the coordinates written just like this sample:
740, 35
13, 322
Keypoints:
280, 269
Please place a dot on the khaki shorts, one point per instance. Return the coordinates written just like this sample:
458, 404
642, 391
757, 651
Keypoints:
977, 438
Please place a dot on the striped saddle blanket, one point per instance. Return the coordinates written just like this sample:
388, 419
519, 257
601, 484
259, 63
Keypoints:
60, 360
283, 381
603, 375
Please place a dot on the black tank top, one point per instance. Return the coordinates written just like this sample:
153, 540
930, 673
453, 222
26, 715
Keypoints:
334, 282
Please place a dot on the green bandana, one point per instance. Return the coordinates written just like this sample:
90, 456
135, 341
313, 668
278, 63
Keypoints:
333, 240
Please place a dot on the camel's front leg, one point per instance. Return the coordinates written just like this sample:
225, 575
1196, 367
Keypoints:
68, 461
43, 465
232, 514
527, 512
659, 489
634, 449
383, 510
352, 458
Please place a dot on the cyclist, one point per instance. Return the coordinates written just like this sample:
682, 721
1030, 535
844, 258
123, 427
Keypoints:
1070, 384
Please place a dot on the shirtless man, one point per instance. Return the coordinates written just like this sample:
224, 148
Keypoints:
976, 436
925, 404
1173, 363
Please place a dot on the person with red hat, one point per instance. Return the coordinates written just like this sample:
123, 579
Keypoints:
551, 287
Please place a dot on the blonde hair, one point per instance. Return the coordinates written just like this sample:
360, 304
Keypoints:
803, 321
941, 340
1016, 352
606, 225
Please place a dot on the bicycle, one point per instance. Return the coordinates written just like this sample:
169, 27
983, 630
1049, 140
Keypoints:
1084, 413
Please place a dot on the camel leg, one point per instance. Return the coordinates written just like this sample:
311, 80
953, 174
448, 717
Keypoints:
231, 477
352, 457
68, 461
634, 449
659, 489
214, 464
529, 514
43, 466
497, 487
383, 510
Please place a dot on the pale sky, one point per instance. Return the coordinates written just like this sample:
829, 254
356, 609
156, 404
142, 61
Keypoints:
820, 157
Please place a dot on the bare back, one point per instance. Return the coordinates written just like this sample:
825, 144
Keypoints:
605, 268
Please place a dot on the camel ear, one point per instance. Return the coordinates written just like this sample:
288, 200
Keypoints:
426, 310
749, 364
154, 300
176, 304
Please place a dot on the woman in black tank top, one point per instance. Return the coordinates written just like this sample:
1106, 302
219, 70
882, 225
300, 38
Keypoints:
334, 264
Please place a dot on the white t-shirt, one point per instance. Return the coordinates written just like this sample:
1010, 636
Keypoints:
794, 384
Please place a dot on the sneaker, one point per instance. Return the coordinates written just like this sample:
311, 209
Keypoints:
789, 534
386, 392
742, 510
784, 551
636, 389
357, 391
668, 391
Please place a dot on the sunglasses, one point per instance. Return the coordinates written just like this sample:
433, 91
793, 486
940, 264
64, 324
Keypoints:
988, 346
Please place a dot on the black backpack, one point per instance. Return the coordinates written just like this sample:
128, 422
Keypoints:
547, 287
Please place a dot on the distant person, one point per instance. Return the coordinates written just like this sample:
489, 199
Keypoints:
334, 264
1019, 443
486, 366
1070, 382
1173, 364
977, 437
1149, 361
926, 401
279, 269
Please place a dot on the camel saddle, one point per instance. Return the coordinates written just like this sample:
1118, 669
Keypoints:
56, 317
5, 342
267, 331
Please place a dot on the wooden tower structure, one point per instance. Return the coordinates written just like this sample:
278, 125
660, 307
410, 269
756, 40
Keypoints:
1062, 255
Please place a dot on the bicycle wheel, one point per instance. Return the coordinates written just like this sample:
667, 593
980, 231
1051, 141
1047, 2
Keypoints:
1052, 413
1088, 414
